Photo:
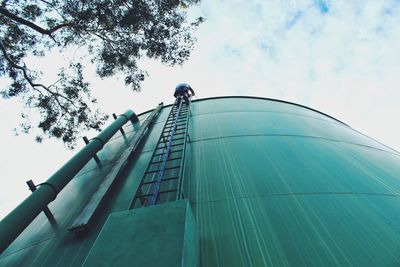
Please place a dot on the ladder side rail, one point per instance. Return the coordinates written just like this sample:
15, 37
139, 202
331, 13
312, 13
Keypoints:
157, 186
179, 193
166, 125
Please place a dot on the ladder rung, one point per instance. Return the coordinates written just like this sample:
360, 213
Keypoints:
165, 169
185, 111
161, 192
174, 112
172, 151
179, 123
143, 196
180, 144
164, 141
179, 138
167, 191
176, 133
159, 161
180, 117
177, 128
173, 121
181, 114
163, 180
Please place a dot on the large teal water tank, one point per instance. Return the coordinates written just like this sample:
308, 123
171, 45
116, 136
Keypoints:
270, 183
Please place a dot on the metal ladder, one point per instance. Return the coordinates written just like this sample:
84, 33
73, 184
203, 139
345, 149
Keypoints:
162, 179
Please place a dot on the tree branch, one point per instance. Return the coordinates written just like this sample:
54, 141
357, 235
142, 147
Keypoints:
32, 25
105, 39
30, 81
15, 65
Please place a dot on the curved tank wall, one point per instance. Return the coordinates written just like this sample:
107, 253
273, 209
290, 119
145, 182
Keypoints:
270, 183
273, 184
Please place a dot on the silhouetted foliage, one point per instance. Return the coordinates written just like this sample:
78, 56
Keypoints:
117, 33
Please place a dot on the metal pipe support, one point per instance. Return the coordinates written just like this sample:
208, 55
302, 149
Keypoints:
17, 220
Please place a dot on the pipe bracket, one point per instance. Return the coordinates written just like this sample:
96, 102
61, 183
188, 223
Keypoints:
52, 187
100, 140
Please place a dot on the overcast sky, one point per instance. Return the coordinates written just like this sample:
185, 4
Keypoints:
339, 57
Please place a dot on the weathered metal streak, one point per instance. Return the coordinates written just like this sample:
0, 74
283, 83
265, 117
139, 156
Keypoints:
94, 204
15, 222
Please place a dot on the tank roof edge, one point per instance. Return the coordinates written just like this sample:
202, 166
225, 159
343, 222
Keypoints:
262, 98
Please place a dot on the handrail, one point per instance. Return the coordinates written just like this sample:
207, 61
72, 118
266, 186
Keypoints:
17, 220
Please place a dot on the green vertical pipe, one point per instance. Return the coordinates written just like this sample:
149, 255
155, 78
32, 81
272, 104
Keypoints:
16, 221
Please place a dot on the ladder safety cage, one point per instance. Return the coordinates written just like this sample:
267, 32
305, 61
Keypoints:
163, 177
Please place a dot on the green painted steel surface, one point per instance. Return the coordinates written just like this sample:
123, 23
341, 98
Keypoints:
161, 235
278, 185
270, 184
